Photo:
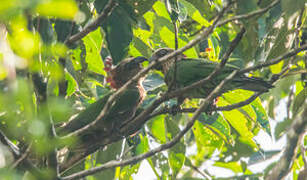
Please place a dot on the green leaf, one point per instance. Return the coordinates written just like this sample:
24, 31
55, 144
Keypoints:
241, 119
289, 7
45, 29
217, 124
195, 14
127, 172
72, 84
118, 30
160, 9
206, 140
65, 9
262, 117
203, 7
271, 105
261, 156
143, 146
158, 128
93, 42
238, 121
168, 37
299, 101
234, 166
110, 153
64, 29
119, 34
140, 7
246, 6
176, 161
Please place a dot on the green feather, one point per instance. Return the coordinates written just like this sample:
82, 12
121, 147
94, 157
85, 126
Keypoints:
122, 109
190, 71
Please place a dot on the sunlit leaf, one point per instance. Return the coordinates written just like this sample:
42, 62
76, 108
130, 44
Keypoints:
169, 38
207, 142
93, 43
299, 101
65, 9
158, 128
234, 166
176, 161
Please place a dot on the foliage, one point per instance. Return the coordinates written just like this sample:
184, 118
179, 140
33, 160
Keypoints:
45, 80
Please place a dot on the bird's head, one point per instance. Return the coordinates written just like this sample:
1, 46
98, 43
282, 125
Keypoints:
125, 70
159, 53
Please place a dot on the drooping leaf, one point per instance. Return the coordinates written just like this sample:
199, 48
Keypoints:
261, 155
289, 7
234, 166
158, 128
118, 30
176, 161
45, 29
218, 124
299, 101
206, 140
262, 118
93, 42
108, 154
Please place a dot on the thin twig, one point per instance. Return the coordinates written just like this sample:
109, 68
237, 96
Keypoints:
22, 157
25, 163
145, 71
224, 108
163, 147
244, 16
203, 174
142, 118
249, 15
276, 60
94, 25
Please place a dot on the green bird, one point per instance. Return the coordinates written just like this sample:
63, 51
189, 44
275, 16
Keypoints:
122, 110
191, 70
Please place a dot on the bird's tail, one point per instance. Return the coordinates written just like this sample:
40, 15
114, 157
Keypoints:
254, 84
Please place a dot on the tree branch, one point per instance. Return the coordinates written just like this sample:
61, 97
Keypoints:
94, 25
22, 157
249, 15
276, 60
163, 147
24, 162
298, 127
244, 16
142, 73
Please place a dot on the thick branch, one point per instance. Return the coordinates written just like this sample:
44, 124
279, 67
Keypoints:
204, 34
94, 25
163, 147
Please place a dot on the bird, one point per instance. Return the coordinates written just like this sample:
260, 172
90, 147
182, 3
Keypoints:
122, 109
191, 70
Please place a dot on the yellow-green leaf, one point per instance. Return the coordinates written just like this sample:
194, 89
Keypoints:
65, 9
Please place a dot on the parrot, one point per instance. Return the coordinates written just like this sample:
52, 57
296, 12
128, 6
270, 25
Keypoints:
191, 70
121, 110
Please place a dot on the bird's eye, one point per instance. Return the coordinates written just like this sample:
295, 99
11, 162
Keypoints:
163, 52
